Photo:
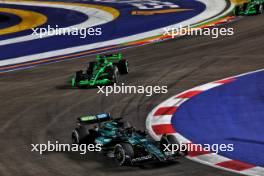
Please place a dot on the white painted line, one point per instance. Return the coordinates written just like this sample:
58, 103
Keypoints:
207, 86
256, 171
96, 17
213, 7
210, 159
163, 119
181, 138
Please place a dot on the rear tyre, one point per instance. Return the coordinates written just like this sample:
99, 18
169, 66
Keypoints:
90, 68
75, 137
123, 66
78, 77
123, 154
83, 135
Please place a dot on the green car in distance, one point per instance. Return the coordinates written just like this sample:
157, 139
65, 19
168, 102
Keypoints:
103, 72
251, 7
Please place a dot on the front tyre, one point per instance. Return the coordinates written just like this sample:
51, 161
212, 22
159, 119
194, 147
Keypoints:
90, 68
75, 137
260, 9
123, 66
123, 154
183, 149
170, 139
79, 76
236, 11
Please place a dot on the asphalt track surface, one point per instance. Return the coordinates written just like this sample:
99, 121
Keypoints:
37, 104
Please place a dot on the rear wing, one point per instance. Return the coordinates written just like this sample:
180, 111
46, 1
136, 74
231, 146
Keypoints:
110, 57
91, 119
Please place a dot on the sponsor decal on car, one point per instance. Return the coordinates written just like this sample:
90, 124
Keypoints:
88, 118
142, 158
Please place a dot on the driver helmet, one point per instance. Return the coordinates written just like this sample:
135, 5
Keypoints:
101, 61
130, 131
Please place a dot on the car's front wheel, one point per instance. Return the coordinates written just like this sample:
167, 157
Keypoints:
123, 154
172, 140
260, 9
123, 66
237, 10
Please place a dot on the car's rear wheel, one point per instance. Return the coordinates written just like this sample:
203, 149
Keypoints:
123, 154
78, 77
83, 135
75, 137
90, 68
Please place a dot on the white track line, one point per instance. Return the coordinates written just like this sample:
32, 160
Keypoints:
209, 159
213, 8
96, 17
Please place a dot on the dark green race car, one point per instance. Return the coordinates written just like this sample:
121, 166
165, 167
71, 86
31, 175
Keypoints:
251, 7
103, 72
123, 143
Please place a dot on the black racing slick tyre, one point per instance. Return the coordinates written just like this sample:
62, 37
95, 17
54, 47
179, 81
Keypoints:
170, 139
260, 9
123, 154
123, 66
90, 68
75, 137
79, 76
83, 135
236, 11
244, 7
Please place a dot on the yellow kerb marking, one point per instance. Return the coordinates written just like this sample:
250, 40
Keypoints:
115, 13
30, 20
236, 2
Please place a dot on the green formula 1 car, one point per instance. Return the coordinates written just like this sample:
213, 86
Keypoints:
103, 72
123, 143
251, 7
